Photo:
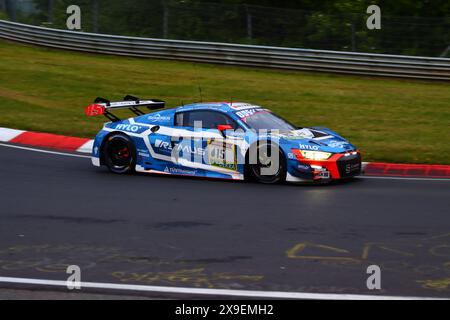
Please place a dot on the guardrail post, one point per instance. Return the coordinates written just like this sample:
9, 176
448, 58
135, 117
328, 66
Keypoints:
50, 6
353, 37
249, 23
446, 51
165, 19
94, 16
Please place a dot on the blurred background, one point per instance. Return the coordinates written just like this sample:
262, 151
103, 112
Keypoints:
409, 27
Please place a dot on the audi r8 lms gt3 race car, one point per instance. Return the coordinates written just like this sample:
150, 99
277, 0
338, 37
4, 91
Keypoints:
218, 140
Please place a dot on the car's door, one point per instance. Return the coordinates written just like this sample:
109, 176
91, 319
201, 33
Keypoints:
203, 146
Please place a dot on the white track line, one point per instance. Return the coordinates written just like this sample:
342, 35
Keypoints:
213, 292
88, 157
45, 151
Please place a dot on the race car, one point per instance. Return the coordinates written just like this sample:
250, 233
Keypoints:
225, 140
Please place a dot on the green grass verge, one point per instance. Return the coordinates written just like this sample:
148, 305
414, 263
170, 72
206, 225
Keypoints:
388, 119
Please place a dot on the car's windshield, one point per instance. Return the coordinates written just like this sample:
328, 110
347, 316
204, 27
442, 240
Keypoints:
259, 119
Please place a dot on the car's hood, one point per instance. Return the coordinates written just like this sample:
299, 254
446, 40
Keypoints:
316, 139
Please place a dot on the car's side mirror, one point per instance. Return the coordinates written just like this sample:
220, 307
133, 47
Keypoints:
223, 127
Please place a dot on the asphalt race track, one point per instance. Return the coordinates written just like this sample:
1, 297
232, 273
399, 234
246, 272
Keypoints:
152, 230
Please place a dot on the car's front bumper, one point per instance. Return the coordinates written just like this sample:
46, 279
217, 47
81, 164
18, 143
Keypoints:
338, 166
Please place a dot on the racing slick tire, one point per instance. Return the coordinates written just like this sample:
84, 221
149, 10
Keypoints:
119, 153
264, 160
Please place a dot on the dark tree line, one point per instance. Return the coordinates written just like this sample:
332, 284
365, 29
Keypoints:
414, 27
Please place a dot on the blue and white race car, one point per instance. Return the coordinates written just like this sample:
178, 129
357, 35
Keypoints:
218, 140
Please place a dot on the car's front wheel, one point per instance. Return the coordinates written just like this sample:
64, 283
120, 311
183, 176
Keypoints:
119, 153
268, 164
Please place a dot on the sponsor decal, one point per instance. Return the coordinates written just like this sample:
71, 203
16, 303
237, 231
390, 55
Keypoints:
162, 144
175, 170
308, 147
128, 127
157, 117
221, 154
184, 148
247, 113
143, 154
337, 144
324, 174
242, 106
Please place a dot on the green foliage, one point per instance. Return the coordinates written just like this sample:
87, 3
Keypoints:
413, 27
3, 15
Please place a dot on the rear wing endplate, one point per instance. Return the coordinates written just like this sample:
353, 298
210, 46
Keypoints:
102, 106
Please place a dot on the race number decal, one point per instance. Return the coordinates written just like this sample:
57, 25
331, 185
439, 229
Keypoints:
221, 154
94, 110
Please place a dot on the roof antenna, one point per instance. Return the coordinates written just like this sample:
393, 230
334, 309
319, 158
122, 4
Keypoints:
200, 91
197, 80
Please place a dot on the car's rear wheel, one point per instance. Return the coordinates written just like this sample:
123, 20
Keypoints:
119, 153
270, 164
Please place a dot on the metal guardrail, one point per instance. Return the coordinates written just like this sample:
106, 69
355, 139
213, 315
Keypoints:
234, 54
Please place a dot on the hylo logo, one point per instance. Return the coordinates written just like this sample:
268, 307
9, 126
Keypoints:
308, 147
128, 127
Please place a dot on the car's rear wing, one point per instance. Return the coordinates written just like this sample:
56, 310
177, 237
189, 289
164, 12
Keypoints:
102, 106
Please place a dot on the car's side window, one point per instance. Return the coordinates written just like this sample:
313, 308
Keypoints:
209, 119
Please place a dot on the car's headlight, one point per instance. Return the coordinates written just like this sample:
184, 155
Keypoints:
311, 155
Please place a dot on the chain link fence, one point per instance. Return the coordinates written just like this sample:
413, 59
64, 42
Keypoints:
245, 24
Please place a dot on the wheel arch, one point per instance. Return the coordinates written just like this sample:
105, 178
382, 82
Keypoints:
247, 174
105, 138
